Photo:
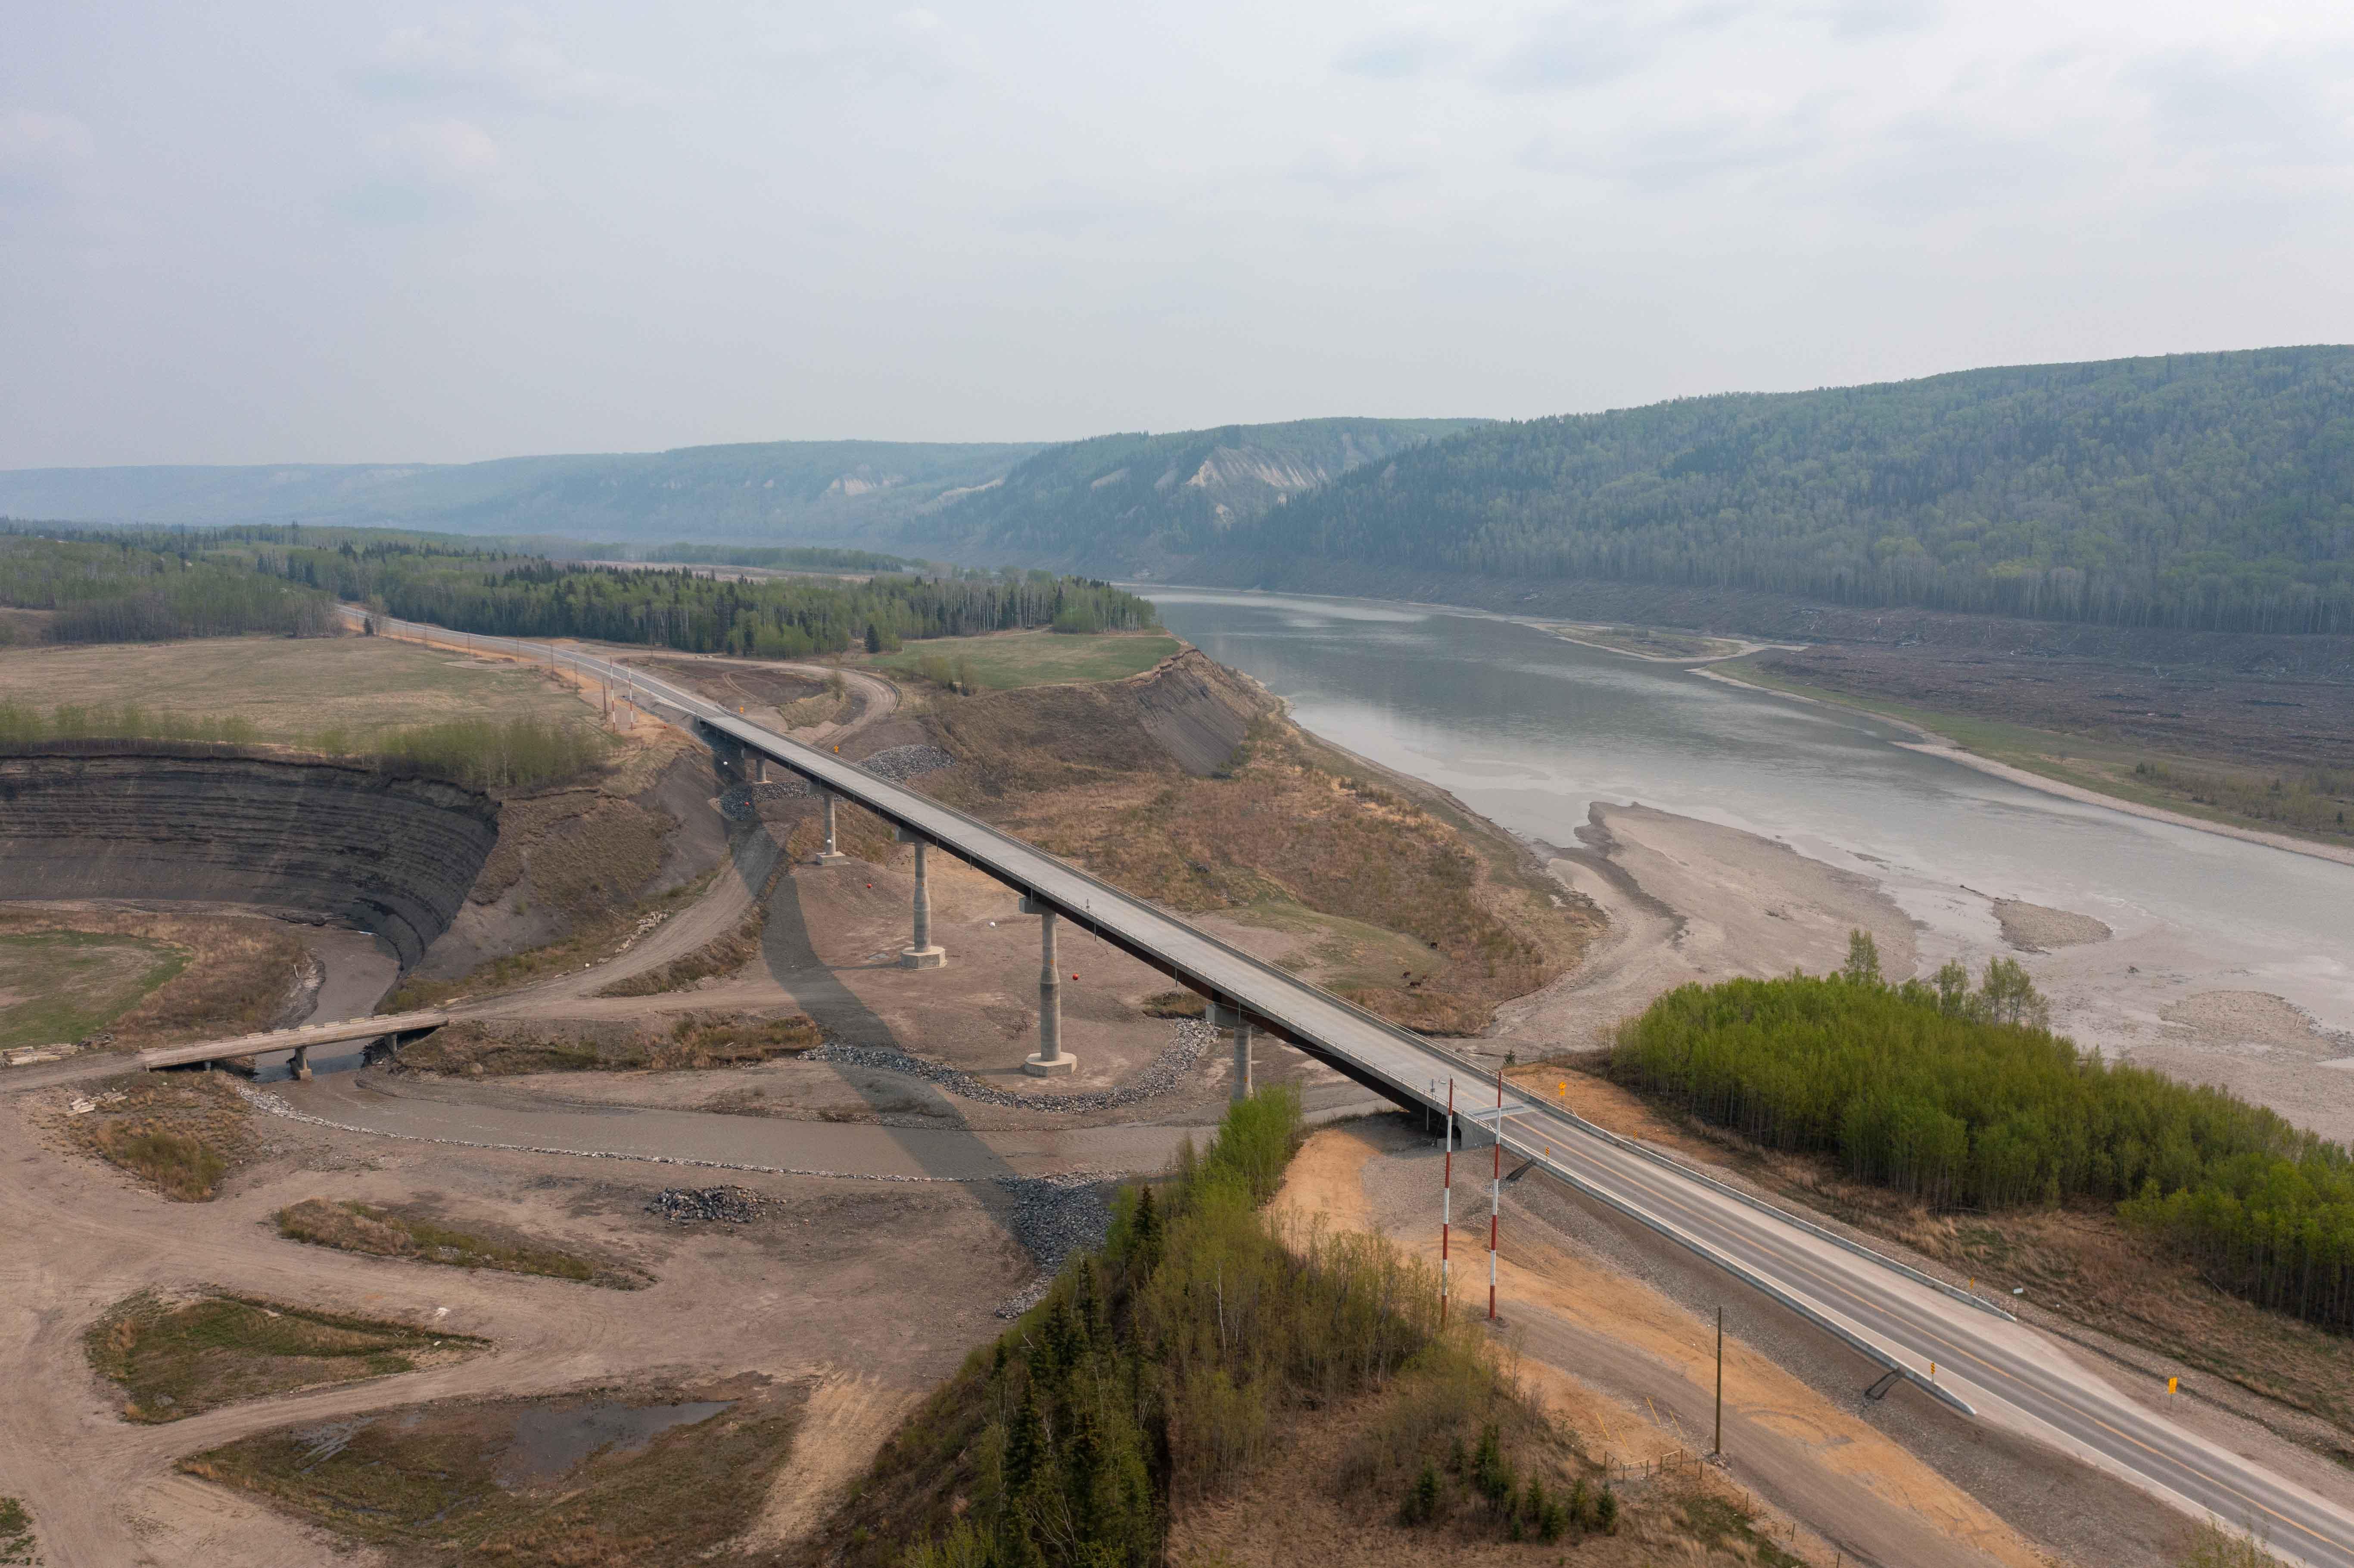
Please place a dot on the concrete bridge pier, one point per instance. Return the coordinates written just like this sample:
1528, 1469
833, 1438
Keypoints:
831, 855
1225, 1017
921, 954
1051, 1059
300, 1068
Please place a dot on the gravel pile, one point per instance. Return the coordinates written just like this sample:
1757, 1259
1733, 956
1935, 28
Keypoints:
1191, 1039
901, 762
686, 1205
1052, 1217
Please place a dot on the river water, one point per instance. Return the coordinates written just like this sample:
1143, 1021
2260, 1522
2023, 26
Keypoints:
1530, 730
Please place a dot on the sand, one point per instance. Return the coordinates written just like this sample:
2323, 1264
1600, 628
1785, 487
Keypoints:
1694, 901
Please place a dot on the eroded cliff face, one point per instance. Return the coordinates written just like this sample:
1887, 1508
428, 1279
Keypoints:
391, 854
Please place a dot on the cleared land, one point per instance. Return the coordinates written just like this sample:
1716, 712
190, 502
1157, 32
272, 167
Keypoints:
174, 1359
1006, 660
58, 985
290, 689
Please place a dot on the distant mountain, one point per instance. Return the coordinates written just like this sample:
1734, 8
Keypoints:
1121, 502
2212, 491
777, 492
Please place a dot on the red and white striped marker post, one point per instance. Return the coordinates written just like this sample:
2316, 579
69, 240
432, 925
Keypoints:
1446, 1201
1495, 1193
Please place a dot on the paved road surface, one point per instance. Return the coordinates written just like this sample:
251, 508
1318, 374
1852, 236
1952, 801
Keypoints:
2001, 1369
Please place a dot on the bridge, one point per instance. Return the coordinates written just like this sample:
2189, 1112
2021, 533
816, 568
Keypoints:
298, 1040
1959, 1349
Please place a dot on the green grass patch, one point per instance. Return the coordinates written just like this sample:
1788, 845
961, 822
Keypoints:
387, 1233
57, 987
1005, 660
16, 1547
178, 1358
658, 1478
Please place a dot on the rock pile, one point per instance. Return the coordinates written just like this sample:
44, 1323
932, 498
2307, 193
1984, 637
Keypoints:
901, 762
686, 1205
1191, 1038
1052, 1217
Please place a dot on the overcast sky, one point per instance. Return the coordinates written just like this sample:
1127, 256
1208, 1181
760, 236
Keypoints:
362, 231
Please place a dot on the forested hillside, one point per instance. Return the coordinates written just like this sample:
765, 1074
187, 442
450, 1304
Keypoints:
2208, 491
155, 585
1140, 497
773, 492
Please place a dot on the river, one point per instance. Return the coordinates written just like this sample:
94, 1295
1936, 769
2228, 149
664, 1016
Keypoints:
1530, 730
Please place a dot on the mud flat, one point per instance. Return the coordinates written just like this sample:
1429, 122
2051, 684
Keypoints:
1693, 901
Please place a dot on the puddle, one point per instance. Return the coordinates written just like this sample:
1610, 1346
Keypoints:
550, 1440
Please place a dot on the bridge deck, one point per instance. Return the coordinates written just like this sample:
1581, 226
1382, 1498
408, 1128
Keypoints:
305, 1035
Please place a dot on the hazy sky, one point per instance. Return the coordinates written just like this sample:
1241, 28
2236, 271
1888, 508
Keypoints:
365, 231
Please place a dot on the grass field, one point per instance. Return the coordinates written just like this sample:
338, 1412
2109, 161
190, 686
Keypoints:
2085, 761
178, 1358
289, 689
55, 987
1004, 660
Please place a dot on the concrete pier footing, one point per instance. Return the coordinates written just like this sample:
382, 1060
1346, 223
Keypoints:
1227, 1018
831, 855
920, 953
1052, 1060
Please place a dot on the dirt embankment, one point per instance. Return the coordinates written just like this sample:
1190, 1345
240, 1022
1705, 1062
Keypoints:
1189, 786
385, 852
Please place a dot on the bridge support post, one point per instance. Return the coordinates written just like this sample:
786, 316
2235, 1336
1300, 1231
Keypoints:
1225, 1017
759, 770
300, 1068
831, 855
921, 954
1051, 1059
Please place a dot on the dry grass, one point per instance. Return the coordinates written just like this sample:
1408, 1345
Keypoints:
179, 1132
290, 689
703, 1039
723, 955
174, 1359
57, 987
591, 943
419, 1237
441, 1481
242, 974
1294, 824
1002, 661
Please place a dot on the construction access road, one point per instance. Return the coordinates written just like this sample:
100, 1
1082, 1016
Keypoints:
1952, 1346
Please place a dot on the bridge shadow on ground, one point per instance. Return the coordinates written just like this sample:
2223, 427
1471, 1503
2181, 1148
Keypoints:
793, 963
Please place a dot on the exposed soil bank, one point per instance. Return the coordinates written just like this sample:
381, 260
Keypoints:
390, 854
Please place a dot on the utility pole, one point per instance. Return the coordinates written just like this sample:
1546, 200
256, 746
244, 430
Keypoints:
1720, 1382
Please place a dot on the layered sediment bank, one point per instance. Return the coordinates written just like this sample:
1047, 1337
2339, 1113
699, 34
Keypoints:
389, 854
